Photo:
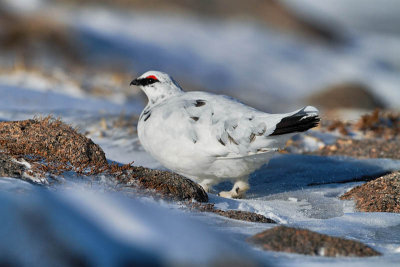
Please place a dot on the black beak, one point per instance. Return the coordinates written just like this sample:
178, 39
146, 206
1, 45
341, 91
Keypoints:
135, 82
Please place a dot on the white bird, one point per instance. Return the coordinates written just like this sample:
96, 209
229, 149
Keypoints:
212, 138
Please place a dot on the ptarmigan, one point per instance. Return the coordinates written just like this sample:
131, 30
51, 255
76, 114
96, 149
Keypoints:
212, 138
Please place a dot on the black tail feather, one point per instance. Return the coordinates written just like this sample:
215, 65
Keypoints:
298, 122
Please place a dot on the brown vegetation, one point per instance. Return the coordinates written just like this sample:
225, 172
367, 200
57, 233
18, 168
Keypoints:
364, 148
380, 124
338, 125
381, 132
377, 124
379, 195
50, 139
167, 184
293, 240
232, 214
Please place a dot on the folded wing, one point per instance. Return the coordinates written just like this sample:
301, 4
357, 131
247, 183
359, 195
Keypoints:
222, 127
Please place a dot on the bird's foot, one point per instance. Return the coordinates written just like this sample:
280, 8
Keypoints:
238, 191
229, 194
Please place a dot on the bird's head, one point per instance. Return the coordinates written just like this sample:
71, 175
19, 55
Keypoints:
157, 86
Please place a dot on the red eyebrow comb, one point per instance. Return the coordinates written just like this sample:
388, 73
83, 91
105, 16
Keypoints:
152, 77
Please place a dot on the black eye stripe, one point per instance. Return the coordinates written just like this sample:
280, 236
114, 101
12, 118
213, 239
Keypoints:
146, 81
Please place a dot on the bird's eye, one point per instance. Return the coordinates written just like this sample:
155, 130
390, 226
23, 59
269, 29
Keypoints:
152, 77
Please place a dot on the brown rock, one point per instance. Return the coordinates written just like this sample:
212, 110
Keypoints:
169, 184
9, 167
244, 216
50, 139
18, 168
379, 195
302, 241
346, 95
232, 214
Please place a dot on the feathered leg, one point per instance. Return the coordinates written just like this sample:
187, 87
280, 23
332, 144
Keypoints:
238, 190
207, 184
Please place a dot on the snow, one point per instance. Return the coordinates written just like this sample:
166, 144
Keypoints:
24, 99
104, 230
39, 82
239, 58
126, 150
23, 6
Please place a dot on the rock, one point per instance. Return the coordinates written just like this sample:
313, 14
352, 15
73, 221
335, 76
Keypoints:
244, 216
169, 185
302, 241
232, 214
9, 167
51, 139
345, 95
19, 168
379, 195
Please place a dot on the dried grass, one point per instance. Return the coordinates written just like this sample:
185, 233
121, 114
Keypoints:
303, 241
379, 195
52, 146
377, 124
380, 123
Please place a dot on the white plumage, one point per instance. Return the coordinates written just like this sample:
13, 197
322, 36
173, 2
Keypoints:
211, 138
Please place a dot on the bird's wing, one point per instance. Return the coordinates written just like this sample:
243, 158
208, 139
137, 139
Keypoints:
225, 128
